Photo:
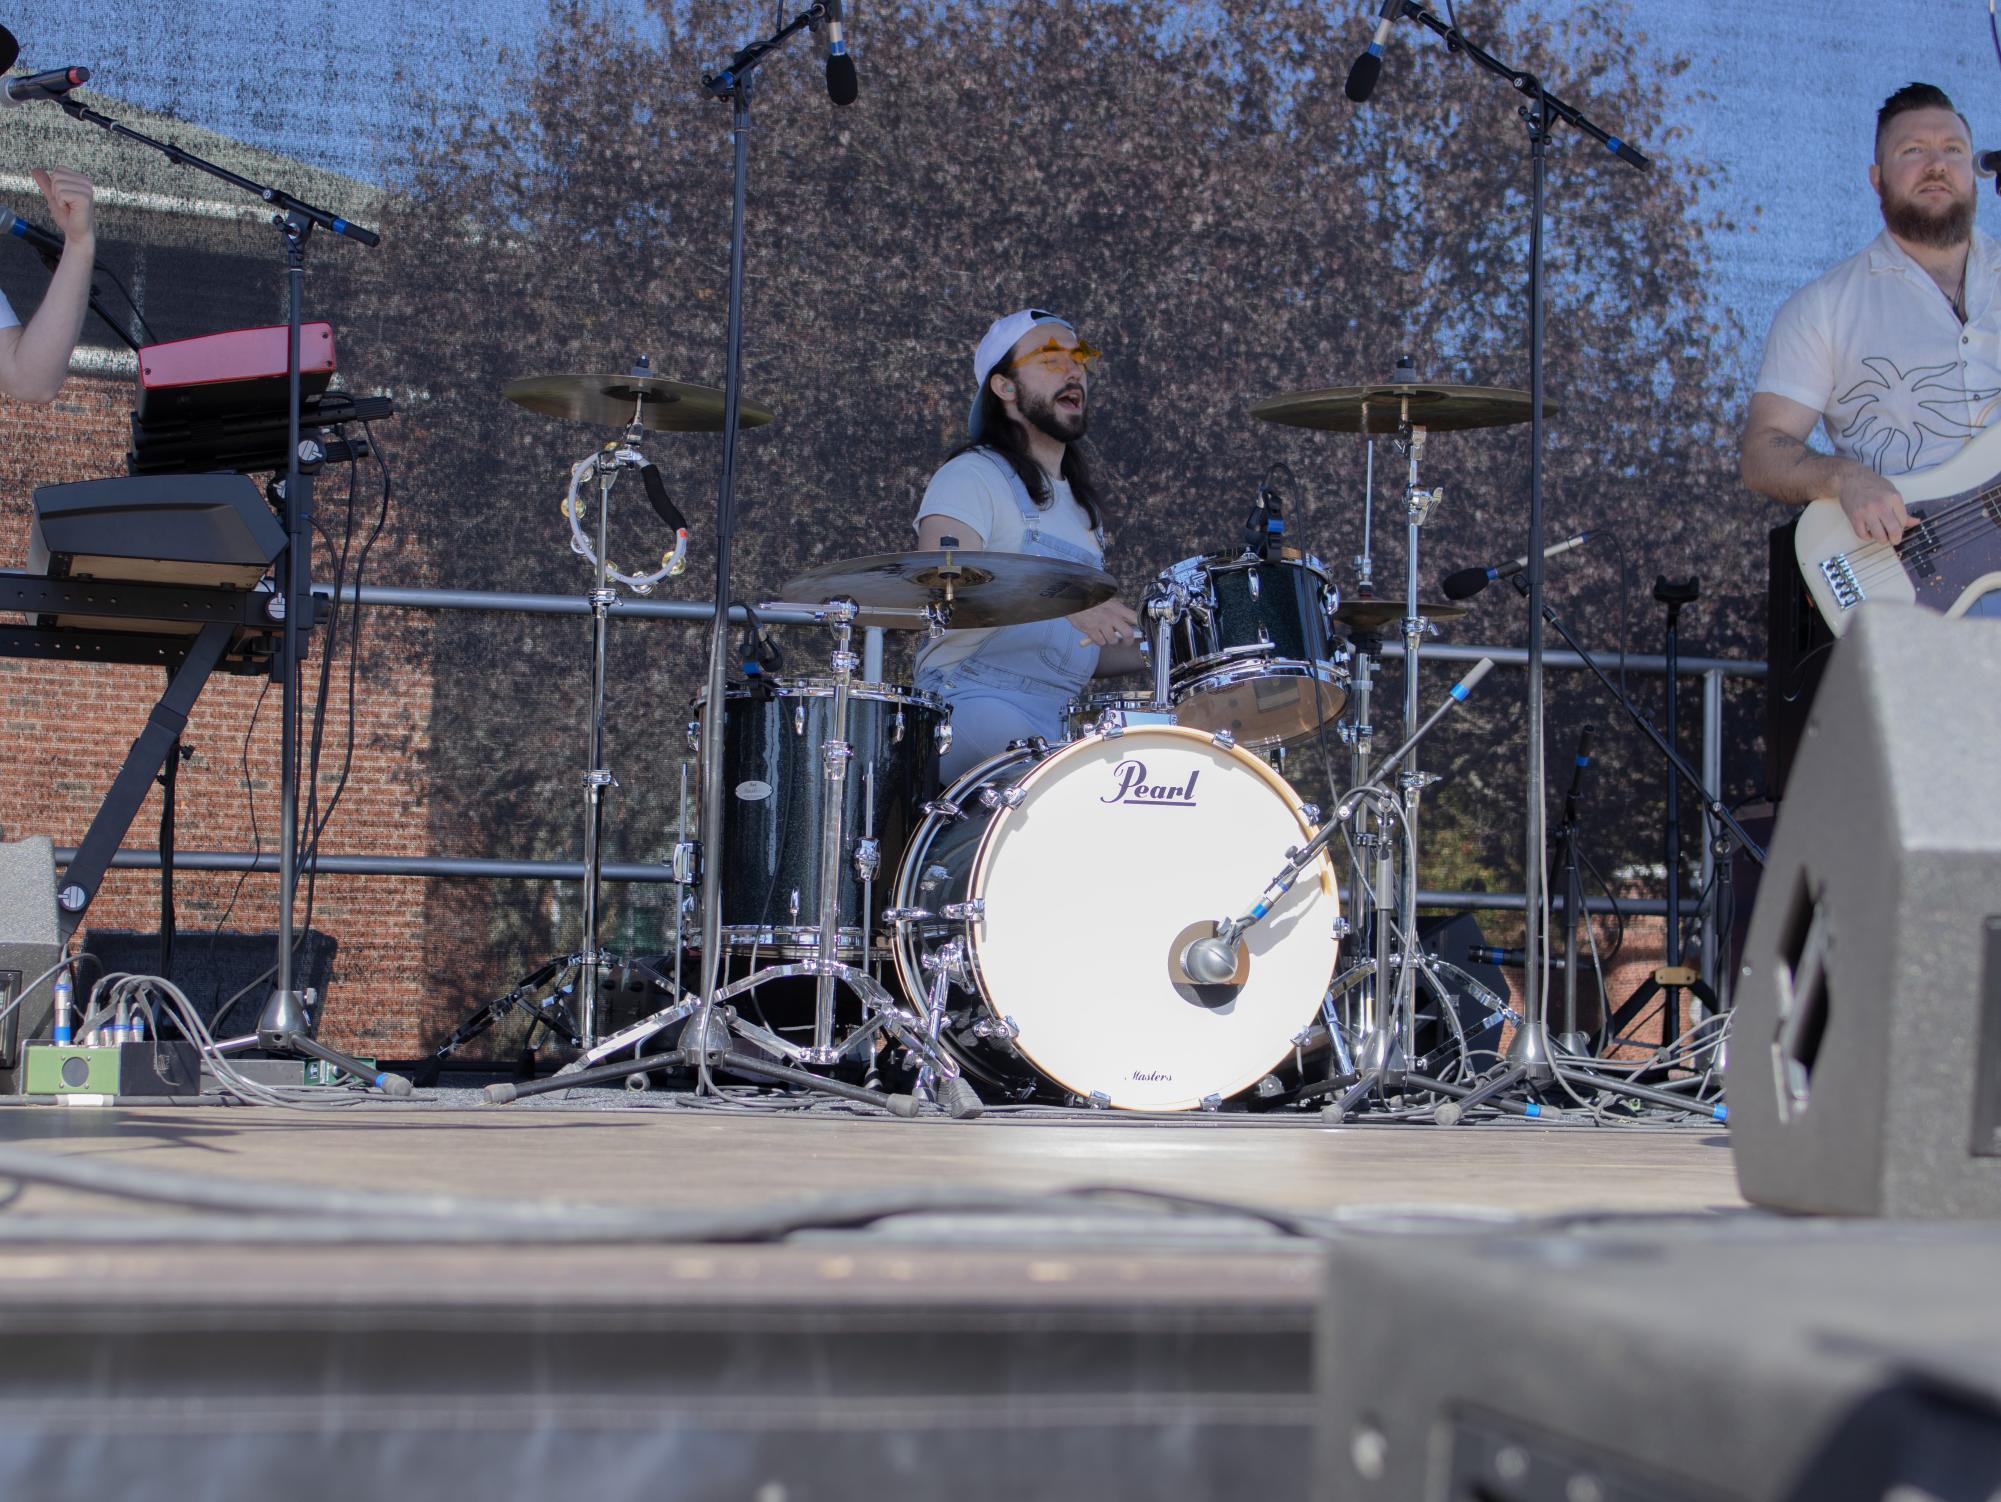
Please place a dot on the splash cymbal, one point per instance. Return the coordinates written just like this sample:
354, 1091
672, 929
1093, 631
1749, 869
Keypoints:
1369, 615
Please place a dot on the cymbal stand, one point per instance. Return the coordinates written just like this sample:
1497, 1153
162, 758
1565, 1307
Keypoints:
580, 973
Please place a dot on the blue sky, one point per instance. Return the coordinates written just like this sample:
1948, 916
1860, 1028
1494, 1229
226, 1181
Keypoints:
1794, 85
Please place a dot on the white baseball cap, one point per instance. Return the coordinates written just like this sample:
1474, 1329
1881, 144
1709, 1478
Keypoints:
999, 339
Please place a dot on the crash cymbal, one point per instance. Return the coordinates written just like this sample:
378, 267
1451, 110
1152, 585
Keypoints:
982, 588
663, 406
1369, 615
1379, 409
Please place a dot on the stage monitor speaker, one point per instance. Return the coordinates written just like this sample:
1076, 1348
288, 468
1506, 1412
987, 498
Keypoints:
1753, 1358
29, 945
1864, 1072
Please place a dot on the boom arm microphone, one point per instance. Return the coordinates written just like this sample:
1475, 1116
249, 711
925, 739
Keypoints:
1468, 582
50, 85
842, 85
49, 247
1369, 66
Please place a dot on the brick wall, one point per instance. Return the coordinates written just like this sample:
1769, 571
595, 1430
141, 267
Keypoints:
67, 728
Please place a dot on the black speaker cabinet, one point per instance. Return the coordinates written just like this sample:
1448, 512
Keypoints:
1751, 1358
28, 946
1865, 1058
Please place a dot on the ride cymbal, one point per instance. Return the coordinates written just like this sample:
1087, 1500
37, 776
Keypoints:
616, 401
1380, 409
981, 588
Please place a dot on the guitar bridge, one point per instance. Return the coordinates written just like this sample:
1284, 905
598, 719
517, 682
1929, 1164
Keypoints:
1840, 576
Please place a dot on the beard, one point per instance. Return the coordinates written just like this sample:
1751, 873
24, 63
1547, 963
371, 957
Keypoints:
1940, 228
1045, 417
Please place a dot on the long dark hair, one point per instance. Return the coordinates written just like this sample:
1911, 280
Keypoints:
1003, 436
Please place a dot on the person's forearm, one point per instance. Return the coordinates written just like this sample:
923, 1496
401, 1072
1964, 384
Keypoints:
1783, 467
41, 358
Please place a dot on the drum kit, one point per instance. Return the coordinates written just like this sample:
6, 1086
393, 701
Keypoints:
1056, 925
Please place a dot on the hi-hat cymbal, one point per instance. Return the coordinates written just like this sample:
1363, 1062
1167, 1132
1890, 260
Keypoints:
1380, 409
1369, 615
981, 588
611, 401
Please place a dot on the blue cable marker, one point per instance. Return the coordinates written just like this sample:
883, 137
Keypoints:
1460, 691
1532, 1109
1721, 1113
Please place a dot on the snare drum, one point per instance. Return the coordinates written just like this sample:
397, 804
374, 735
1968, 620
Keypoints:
1074, 877
1251, 652
775, 795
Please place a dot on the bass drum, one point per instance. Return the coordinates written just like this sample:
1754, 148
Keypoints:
1073, 877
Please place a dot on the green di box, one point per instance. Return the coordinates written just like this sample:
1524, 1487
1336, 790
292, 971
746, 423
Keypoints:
148, 1068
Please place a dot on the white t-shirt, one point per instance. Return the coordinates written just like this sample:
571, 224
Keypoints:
978, 490
8, 318
1875, 347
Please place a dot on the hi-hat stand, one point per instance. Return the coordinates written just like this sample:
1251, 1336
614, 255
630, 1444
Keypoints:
285, 1026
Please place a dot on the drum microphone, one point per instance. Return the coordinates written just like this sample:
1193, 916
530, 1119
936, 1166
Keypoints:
1369, 66
1266, 523
1470, 581
50, 85
1210, 961
842, 85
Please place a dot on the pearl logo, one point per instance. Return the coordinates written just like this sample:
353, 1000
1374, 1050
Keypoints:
1132, 787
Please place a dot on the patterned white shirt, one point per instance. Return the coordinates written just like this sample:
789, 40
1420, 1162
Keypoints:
1875, 347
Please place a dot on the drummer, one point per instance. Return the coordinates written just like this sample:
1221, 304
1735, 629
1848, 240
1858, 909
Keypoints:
1022, 484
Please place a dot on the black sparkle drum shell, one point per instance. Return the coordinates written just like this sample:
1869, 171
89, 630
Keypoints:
1254, 654
775, 798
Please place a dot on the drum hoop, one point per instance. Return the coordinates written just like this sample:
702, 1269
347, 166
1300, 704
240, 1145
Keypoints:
805, 686
1201, 668
1212, 563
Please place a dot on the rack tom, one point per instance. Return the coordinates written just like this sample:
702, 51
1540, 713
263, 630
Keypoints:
1252, 649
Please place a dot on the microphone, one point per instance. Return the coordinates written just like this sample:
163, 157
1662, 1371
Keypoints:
1468, 582
1577, 767
49, 247
50, 85
1507, 959
1210, 962
1266, 523
1369, 66
842, 85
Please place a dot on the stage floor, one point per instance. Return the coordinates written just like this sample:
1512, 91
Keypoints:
815, 1304
619, 1152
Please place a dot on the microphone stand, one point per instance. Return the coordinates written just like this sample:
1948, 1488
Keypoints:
1563, 1070
285, 1025
702, 1040
1533, 1056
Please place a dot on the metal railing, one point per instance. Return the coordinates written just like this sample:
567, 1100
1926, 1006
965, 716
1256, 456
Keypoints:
1711, 670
